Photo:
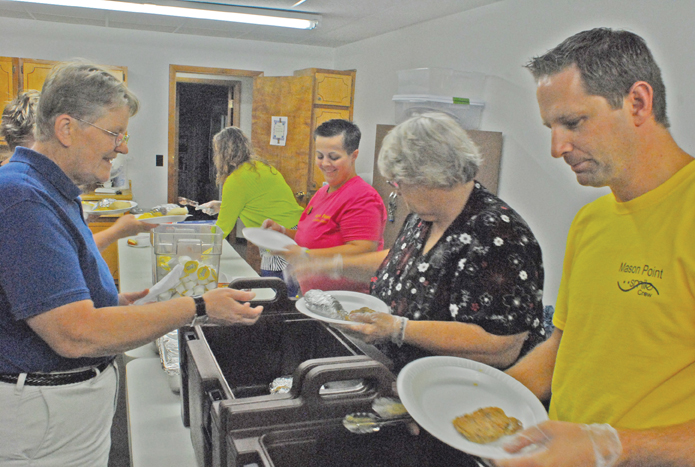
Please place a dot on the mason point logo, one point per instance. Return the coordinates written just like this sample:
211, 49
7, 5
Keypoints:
643, 284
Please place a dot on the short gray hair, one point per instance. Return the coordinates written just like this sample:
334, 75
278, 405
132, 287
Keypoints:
82, 90
430, 150
609, 62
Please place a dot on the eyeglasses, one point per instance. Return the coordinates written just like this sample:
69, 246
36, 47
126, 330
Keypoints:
120, 137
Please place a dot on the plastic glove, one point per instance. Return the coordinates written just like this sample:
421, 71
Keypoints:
270, 224
376, 327
210, 208
301, 265
564, 444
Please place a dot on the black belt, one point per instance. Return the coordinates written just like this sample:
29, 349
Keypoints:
56, 379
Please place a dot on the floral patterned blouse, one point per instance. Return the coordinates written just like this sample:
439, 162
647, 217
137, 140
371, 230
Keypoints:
486, 270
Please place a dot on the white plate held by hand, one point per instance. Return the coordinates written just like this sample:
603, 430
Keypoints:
435, 390
349, 301
88, 208
267, 239
164, 219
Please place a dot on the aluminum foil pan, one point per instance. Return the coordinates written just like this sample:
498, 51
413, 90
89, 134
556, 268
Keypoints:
281, 385
168, 348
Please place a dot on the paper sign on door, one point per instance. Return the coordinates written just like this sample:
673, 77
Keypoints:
278, 131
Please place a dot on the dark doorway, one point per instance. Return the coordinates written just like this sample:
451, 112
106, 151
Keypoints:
203, 112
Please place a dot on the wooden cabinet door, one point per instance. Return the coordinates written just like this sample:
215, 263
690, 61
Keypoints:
35, 72
8, 83
321, 115
110, 253
333, 89
284, 96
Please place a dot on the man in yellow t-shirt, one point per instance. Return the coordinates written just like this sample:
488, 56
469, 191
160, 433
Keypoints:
621, 363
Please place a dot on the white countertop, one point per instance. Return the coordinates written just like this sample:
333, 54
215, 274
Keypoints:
155, 428
155, 431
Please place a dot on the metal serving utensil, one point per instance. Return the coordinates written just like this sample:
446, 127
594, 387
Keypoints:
187, 202
388, 407
365, 422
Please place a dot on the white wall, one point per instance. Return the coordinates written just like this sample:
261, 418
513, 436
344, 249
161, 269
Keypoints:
148, 56
497, 40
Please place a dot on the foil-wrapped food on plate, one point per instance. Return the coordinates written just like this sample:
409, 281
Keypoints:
168, 348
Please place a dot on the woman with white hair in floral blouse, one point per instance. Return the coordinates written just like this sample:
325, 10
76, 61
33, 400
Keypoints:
465, 274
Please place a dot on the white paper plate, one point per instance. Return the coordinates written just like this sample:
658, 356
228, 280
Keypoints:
435, 390
349, 300
164, 219
88, 206
142, 239
267, 239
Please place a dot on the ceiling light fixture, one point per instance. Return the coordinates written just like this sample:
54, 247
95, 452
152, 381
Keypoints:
210, 12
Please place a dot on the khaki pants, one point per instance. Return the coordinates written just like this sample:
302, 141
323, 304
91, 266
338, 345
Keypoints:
51, 426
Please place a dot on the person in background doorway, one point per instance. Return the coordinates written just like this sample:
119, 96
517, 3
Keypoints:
345, 217
621, 362
253, 191
17, 127
62, 320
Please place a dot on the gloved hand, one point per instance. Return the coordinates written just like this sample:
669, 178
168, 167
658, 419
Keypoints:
563, 444
377, 327
302, 265
210, 208
270, 224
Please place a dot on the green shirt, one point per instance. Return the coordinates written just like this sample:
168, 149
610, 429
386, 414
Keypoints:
255, 192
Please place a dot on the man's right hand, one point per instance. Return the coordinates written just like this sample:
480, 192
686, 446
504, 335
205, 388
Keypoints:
224, 307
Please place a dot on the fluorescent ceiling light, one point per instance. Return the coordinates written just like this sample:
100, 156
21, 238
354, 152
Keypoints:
219, 13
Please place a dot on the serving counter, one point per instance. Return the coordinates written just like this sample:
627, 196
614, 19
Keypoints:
156, 433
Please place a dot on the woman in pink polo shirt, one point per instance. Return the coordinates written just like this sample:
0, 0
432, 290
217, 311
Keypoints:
346, 216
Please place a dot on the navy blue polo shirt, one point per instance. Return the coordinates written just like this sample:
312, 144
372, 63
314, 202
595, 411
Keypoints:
48, 259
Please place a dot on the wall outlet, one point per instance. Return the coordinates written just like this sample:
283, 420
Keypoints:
160, 160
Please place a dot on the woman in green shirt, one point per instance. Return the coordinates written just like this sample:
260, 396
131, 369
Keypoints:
253, 191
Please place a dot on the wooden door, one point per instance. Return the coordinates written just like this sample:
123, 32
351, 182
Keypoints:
490, 145
291, 97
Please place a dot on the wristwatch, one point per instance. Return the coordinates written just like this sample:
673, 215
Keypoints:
201, 315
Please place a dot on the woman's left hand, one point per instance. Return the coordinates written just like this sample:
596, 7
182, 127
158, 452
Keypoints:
376, 326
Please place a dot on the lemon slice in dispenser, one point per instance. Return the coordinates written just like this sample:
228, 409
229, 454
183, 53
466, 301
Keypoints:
206, 254
163, 262
190, 266
203, 273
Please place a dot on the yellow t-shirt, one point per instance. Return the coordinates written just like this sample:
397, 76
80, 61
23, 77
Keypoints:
627, 310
